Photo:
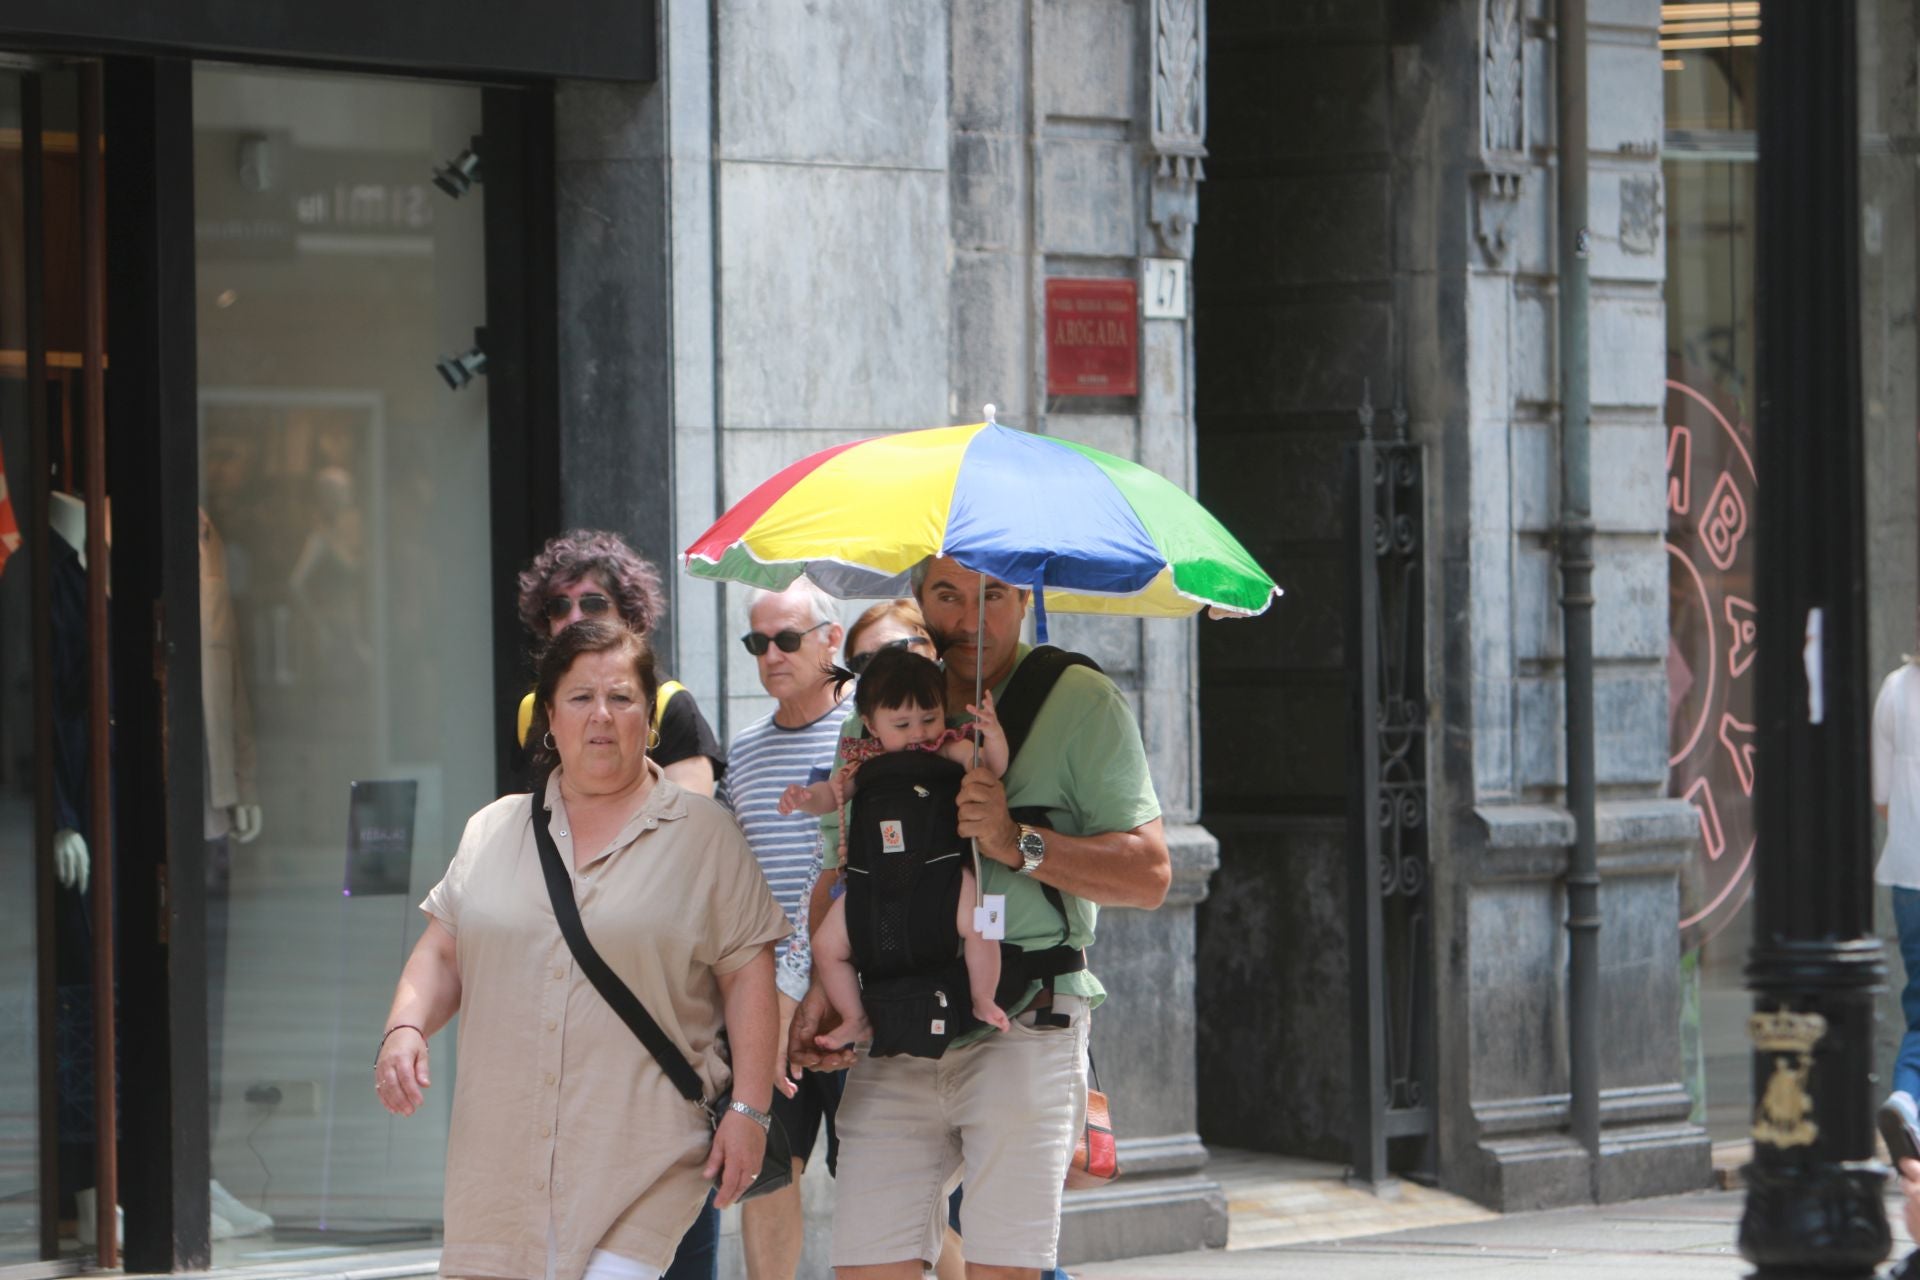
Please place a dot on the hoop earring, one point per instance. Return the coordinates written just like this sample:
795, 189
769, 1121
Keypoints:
653, 739
547, 741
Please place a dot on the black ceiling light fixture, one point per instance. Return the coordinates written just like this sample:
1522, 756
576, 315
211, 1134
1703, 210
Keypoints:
457, 176
459, 370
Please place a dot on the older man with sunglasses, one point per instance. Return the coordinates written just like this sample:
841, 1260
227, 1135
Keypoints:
793, 636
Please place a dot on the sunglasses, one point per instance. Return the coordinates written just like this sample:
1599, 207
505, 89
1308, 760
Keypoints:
789, 641
858, 662
591, 606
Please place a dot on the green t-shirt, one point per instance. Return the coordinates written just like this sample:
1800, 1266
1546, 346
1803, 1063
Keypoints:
1083, 762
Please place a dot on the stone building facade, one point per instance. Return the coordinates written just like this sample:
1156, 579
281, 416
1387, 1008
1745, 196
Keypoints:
1377, 243
826, 222
821, 223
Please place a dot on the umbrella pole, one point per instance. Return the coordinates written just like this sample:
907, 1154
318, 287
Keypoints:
979, 621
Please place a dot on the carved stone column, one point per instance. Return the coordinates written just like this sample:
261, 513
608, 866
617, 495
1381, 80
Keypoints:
1500, 180
1178, 135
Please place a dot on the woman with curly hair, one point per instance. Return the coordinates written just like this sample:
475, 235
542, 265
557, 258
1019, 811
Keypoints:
588, 573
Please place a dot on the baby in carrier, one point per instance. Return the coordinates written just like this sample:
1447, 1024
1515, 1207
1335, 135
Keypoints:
902, 704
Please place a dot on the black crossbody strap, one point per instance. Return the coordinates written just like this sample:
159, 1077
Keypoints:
1033, 680
604, 979
1027, 692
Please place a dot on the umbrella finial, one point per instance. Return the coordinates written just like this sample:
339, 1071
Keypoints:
991, 420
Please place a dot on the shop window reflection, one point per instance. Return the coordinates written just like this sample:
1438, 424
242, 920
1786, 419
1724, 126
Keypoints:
349, 489
1710, 79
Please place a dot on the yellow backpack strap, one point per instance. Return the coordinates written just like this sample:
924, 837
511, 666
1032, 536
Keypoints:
662, 697
524, 720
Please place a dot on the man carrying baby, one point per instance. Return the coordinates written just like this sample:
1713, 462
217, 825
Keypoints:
1000, 1107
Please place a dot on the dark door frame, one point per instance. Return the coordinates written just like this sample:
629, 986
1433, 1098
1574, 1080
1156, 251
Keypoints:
475, 39
153, 474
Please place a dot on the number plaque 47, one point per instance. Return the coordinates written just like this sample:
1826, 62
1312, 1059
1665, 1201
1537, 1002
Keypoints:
1163, 287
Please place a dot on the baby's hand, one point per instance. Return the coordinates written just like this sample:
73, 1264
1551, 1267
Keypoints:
986, 722
794, 799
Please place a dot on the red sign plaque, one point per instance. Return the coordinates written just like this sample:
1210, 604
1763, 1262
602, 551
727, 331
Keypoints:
1093, 337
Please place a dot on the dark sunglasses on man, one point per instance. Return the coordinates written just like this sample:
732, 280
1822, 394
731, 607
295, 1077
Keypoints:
592, 605
858, 662
789, 641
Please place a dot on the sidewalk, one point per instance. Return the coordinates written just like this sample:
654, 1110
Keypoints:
1688, 1237
1289, 1218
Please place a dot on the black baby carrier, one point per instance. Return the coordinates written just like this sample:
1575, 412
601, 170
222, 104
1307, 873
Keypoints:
904, 862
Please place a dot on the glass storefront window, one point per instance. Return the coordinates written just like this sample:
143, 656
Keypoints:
1710, 56
1710, 51
19, 964
346, 605
67, 983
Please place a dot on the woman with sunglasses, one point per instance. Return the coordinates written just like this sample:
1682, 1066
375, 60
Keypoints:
591, 574
891, 624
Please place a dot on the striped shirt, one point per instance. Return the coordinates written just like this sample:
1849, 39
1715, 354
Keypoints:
763, 760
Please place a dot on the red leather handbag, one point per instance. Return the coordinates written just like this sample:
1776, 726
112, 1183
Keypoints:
1095, 1161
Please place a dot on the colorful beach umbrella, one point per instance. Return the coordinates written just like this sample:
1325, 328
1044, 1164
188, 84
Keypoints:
1087, 531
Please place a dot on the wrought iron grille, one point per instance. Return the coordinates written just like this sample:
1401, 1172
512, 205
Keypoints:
1390, 937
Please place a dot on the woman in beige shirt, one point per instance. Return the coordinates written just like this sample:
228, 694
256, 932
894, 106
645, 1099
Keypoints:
571, 1154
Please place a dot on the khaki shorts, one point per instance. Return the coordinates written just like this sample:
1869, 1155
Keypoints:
1000, 1114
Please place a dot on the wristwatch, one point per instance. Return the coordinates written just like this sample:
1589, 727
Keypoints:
1033, 850
760, 1118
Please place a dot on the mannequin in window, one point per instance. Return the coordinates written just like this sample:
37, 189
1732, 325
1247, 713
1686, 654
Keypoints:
67, 515
72, 857
233, 817
328, 583
232, 813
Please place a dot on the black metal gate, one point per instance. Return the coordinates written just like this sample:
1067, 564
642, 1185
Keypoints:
1390, 933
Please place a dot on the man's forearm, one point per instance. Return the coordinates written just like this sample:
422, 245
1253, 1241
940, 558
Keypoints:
1116, 869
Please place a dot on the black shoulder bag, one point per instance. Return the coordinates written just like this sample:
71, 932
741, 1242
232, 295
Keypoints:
776, 1168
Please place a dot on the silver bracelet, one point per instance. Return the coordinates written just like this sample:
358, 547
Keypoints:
760, 1118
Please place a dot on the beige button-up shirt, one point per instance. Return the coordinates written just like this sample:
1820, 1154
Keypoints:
561, 1118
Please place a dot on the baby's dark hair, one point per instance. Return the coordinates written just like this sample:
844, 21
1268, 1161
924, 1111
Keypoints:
895, 678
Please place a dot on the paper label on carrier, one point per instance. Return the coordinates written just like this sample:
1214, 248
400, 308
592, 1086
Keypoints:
990, 917
939, 1027
893, 839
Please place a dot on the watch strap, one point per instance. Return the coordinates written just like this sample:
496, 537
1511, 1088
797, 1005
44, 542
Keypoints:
761, 1118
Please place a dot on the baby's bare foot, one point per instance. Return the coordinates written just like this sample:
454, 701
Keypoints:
990, 1013
846, 1035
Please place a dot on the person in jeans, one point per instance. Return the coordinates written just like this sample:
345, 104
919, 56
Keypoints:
1896, 795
